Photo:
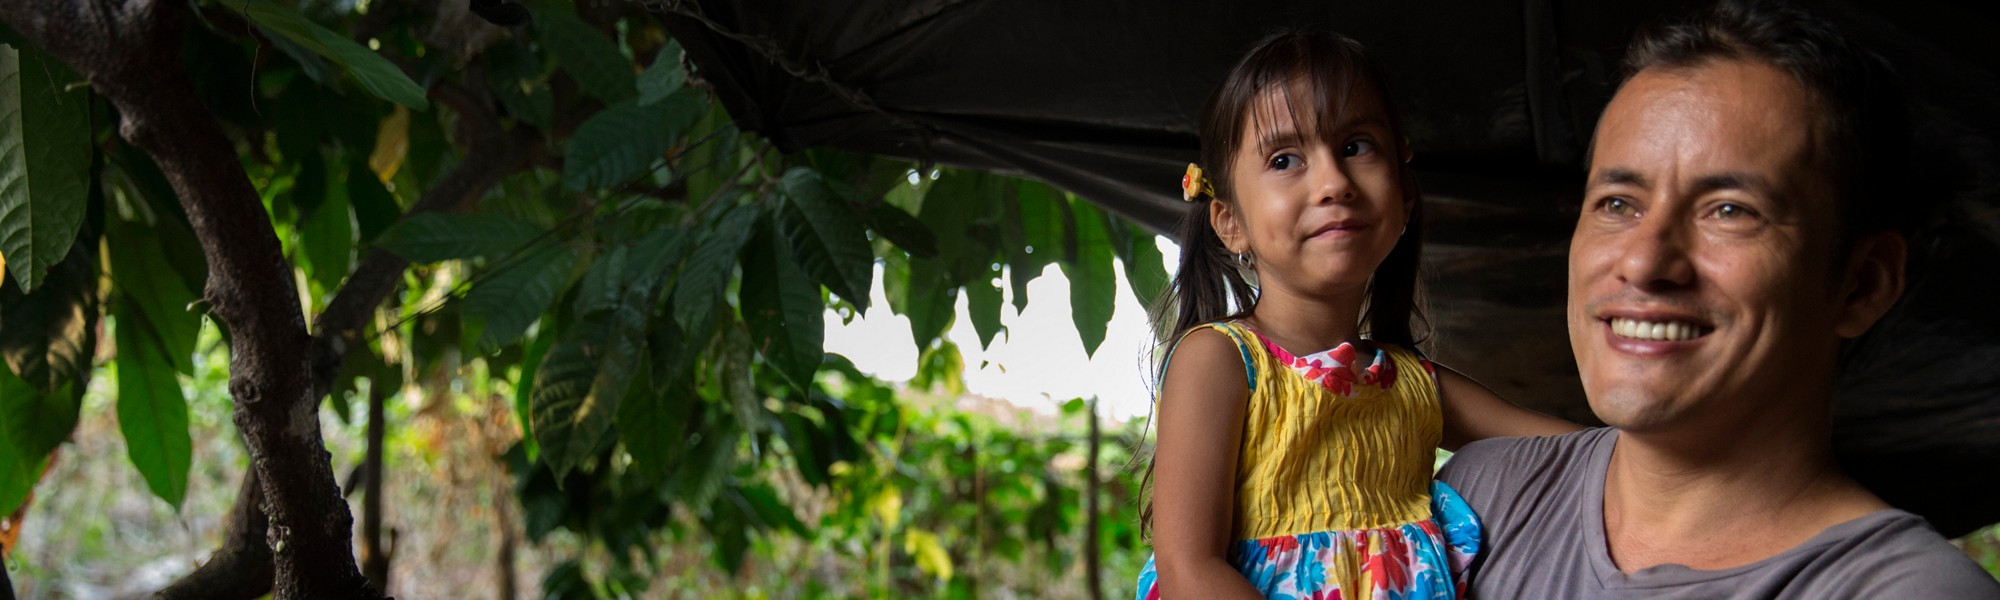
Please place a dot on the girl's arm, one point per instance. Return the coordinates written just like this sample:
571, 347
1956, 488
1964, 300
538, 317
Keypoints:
1473, 413
1202, 405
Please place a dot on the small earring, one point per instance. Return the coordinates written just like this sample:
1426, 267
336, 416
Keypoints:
1406, 230
1245, 261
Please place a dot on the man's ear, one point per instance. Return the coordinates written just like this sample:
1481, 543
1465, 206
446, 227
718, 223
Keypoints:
1873, 283
1228, 226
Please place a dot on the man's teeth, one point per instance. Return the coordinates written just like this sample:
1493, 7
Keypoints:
1663, 331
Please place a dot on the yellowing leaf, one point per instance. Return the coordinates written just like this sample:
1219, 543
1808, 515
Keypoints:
930, 554
888, 505
392, 143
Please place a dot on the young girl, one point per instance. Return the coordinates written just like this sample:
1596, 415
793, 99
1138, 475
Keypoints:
1296, 429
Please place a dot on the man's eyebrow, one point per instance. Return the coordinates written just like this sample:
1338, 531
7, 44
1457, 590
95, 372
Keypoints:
1734, 180
1620, 176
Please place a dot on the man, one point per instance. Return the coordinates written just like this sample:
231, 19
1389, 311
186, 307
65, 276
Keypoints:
1737, 225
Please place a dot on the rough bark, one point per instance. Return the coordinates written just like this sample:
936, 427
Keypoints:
130, 54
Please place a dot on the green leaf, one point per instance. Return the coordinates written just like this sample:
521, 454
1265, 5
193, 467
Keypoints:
592, 59
435, 237
310, 186
169, 222
48, 336
901, 229
516, 76
1045, 236
768, 511
580, 384
19, 469
604, 286
567, 581
375, 74
375, 209
827, 240
962, 209
664, 77
684, 109
44, 163
328, 236
1093, 285
159, 296
941, 366
1145, 268
524, 388
152, 413
698, 291
783, 308
615, 146
655, 425
518, 292
982, 303
33, 423
932, 302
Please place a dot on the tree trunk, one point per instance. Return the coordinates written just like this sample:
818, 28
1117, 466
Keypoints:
1092, 558
130, 53
374, 558
503, 517
6, 585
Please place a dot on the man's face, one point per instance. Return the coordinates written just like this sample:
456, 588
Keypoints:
1702, 278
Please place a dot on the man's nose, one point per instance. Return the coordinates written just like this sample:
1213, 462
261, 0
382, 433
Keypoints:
1654, 255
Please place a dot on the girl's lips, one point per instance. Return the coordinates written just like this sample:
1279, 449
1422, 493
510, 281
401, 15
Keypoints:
1342, 227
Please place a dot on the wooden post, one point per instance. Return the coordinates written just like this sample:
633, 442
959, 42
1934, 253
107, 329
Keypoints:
1093, 557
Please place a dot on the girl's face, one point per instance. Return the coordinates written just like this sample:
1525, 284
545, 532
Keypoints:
1319, 205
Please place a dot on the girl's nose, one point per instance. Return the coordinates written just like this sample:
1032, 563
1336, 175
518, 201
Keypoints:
1334, 184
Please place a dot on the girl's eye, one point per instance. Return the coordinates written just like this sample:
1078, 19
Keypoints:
1357, 148
1285, 162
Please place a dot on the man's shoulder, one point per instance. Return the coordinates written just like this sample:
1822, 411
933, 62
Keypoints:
1897, 554
1507, 457
1509, 480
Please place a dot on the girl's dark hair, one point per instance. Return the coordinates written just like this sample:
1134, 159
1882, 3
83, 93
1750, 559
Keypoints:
1318, 71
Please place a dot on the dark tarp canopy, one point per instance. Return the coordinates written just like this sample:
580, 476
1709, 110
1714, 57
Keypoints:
1101, 98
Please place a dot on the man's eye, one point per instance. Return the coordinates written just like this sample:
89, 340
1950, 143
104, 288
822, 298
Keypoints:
1731, 212
1616, 206
1357, 148
1286, 161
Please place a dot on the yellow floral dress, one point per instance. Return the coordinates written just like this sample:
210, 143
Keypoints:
1334, 496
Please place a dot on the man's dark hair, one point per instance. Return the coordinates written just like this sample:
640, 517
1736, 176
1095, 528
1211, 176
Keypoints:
1863, 142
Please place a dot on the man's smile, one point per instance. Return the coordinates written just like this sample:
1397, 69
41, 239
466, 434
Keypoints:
1657, 331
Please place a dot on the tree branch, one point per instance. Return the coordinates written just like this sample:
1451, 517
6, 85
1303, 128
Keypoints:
130, 53
492, 154
242, 568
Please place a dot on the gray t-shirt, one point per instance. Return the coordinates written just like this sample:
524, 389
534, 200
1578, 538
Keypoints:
1542, 504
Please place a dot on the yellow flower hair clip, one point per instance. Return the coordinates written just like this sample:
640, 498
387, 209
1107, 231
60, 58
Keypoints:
1195, 184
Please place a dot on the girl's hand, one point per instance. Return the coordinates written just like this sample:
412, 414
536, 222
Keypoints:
1473, 413
1202, 404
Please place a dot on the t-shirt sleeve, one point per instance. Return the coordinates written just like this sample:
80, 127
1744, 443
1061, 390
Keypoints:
1479, 471
1499, 476
1925, 566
